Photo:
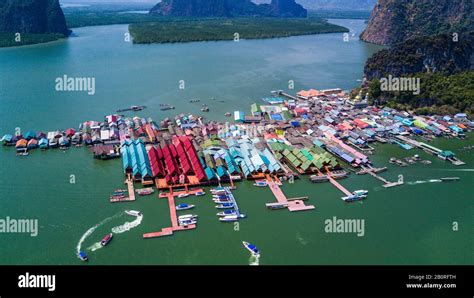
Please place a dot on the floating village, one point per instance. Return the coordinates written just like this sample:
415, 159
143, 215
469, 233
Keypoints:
319, 135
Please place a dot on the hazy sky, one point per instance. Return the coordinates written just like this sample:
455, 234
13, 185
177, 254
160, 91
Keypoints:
123, 1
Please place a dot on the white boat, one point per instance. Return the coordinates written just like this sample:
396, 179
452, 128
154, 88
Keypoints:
252, 248
133, 213
260, 183
230, 218
360, 192
187, 222
225, 206
183, 195
219, 196
187, 217
222, 200
219, 189
353, 198
226, 212
200, 193
184, 207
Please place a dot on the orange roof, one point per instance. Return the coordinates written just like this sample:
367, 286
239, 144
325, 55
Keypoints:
21, 143
309, 93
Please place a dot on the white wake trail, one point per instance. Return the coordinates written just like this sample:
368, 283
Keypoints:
92, 229
128, 225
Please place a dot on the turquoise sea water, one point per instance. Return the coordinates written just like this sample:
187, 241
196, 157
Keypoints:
411, 224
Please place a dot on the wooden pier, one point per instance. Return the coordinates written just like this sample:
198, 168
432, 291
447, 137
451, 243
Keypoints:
387, 184
339, 186
173, 214
292, 204
286, 95
131, 192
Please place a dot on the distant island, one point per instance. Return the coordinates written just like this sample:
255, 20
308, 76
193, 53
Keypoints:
189, 30
229, 8
168, 21
205, 20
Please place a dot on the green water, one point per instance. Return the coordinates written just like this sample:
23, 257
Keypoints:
411, 224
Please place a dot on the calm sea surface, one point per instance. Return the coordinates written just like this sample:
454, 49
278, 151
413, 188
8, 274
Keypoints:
411, 224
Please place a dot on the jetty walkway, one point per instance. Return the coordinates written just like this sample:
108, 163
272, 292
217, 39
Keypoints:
174, 217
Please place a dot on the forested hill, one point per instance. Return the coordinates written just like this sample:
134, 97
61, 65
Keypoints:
394, 21
32, 16
228, 8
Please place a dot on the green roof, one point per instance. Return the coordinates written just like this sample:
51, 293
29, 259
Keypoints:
254, 108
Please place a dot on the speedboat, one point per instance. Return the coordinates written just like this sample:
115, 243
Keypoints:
133, 213
183, 195
360, 192
145, 191
252, 248
226, 212
184, 207
220, 196
106, 239
230, 218
221, 201
187, 222
225, 206
187, 217
200, 193
353, 198
82, 255
217, 191
261, 183
114, 197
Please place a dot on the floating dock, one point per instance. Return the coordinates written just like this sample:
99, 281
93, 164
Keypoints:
282, 202
174, 217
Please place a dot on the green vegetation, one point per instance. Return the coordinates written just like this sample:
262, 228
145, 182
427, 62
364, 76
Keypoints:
339, 14
7, 39
99, 18
423, 54
180, 30
440, 94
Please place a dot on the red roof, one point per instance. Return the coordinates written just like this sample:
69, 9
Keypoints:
155, 163
360, 123
70, 132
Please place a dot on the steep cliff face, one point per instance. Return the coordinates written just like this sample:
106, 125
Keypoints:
423, 54
394, 21
32, 16
283, 8
228, 8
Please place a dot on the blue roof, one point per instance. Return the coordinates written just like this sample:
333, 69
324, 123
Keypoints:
7, 138
277, 117
221, 171
30, 135
209, 173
